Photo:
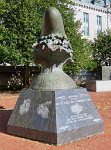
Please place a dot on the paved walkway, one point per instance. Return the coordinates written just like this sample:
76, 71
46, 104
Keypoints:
97, 142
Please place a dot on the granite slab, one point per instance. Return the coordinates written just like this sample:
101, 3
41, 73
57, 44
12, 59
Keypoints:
106, 72
98, 85
55, 117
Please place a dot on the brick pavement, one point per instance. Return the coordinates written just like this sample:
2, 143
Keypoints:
97, 142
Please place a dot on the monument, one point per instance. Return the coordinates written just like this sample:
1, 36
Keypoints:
101, 85
106, 72
53, 109
104, 82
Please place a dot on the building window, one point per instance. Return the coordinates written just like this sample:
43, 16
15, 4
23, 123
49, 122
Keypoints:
99, 24
86, 24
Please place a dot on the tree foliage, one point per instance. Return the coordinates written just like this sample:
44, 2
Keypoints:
102, 48
20, 26
82, 57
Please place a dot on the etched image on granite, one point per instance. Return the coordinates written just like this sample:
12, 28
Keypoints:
24, 108
43, 109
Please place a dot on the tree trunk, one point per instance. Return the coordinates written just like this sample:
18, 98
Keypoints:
109, 59
26, 76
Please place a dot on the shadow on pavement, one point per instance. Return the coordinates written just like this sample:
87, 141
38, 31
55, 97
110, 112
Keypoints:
4, 117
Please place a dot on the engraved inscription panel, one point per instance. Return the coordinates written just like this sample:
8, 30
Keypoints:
75, 109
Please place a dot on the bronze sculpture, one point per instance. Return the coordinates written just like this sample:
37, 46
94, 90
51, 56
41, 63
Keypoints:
52, 50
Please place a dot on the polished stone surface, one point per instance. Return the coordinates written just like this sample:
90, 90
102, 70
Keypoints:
106, 72
98, 85
55, 117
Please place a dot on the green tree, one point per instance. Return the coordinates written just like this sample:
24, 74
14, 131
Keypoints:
102, 48
20, 26
82, 58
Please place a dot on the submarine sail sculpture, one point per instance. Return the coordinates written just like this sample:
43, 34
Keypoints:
53, 109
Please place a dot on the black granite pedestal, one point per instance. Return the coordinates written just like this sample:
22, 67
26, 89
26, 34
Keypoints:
106, 72
54, 117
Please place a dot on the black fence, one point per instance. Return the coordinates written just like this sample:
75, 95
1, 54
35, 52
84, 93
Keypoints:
14, 78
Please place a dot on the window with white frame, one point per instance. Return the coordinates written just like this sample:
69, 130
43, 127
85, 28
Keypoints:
99, 24
86, 24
